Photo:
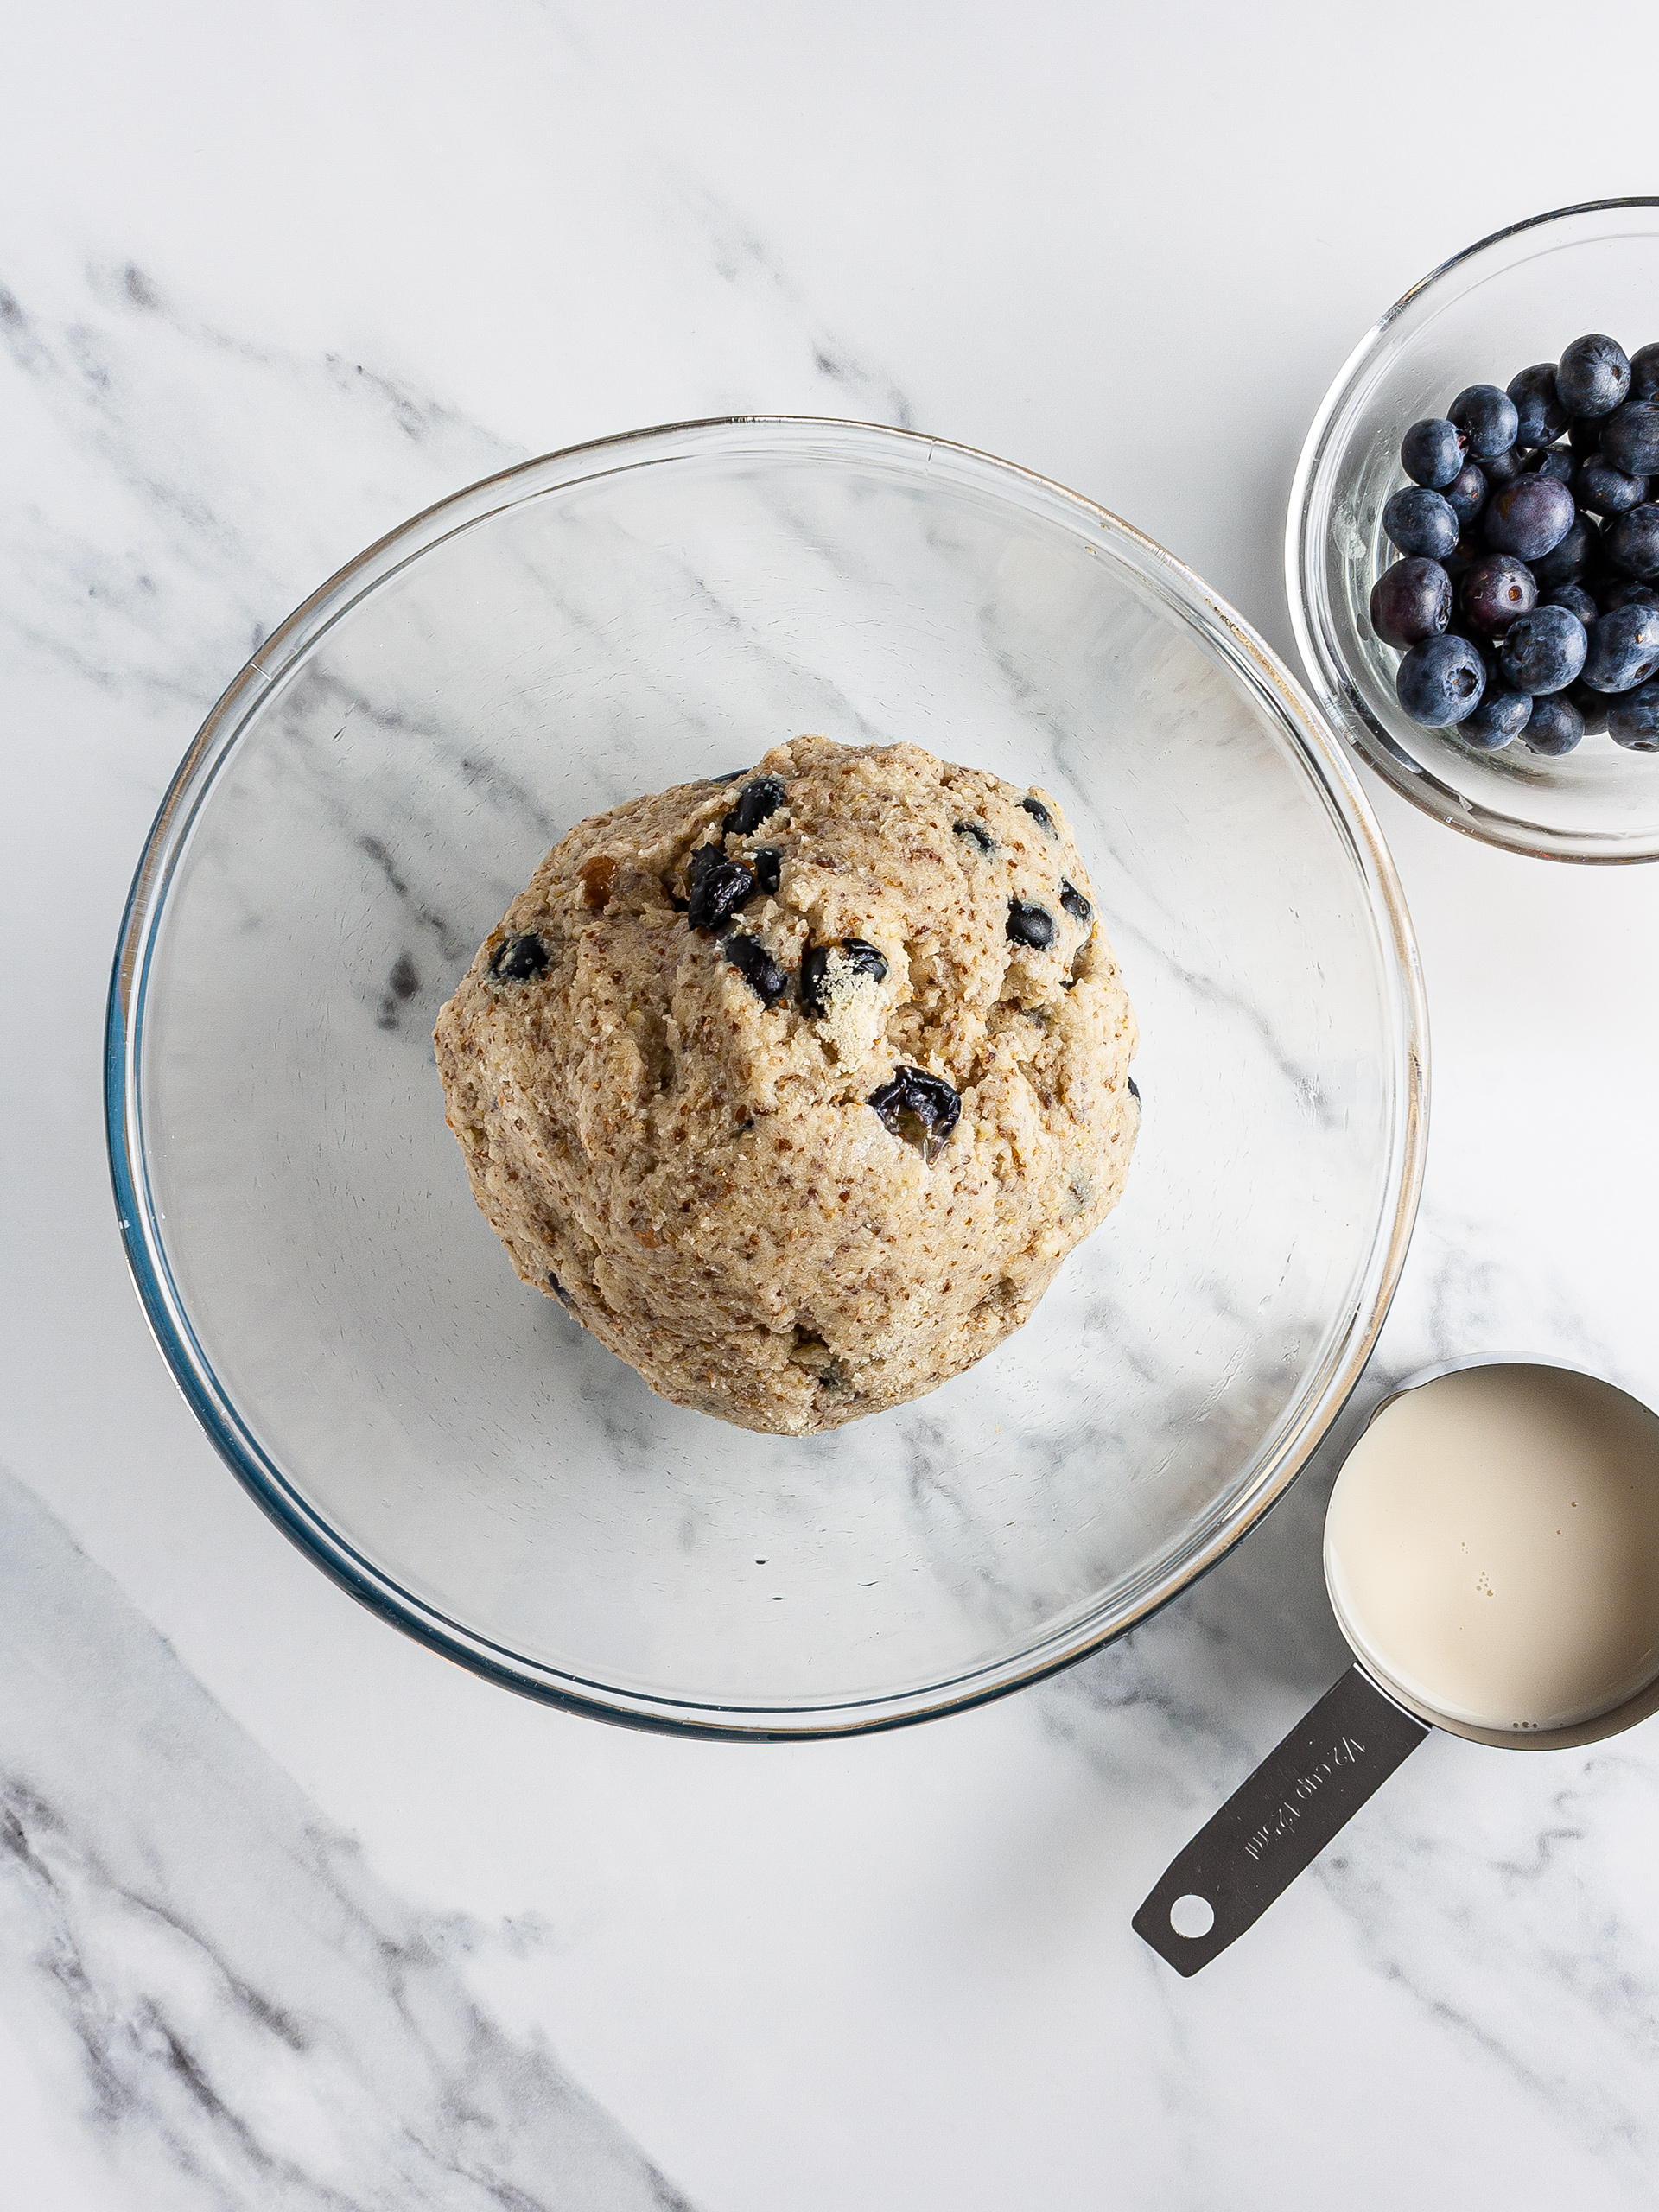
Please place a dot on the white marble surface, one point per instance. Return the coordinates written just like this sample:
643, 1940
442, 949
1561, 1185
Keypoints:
291, 1912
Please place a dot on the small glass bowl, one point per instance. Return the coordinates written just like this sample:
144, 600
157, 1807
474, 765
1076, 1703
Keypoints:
1518, 297
351, 821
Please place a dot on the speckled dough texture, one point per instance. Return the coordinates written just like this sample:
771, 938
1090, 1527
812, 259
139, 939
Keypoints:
671, 1129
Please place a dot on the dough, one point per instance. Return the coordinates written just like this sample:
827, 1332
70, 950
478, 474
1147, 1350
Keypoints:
796, 1088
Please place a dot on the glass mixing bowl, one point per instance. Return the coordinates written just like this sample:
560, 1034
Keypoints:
384, 775
1519, 297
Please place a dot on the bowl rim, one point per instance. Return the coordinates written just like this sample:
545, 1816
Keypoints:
1079, 1632
1333, 688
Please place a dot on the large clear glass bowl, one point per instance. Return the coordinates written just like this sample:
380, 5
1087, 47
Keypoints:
1519, 297
351, 821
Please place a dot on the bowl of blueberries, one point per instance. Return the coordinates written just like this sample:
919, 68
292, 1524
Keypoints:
1472, 547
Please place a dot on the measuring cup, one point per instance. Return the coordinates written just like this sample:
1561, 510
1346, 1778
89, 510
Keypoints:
1491, 1554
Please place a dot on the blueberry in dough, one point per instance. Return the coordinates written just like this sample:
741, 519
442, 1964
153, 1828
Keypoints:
519, 959
1030, 924
756, 802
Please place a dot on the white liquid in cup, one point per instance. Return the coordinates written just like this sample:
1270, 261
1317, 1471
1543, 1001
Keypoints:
1492, 1546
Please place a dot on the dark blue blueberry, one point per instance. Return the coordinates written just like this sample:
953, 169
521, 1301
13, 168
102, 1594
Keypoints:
718, 888
1605, 490
978, 832
1030, 924
1488, 418
1432, 453
1134, 1091
1037, 812
1624, 591
1568, 560
1497, 720
756, 967
768, 862
1074, 902
1630, 437
1623, 649
1495, 591
1410, 601
755, 802
1576, 600
1591, 705
1633, 540
1528, 518
561, 1293
1634, 722
1463, 557
863, 958
1644, 372
1420, 522
1464, 493
1593, 376
519, 959
731, 776
1544, 650
918, 1107
1555, 726
1440, 681
1503, 467
1540, 417
1559, 462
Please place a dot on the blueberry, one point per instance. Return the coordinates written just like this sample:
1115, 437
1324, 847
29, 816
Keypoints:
756, 967
1030, 924
1432, 453
1440, 681
719, 888
1593, 376
1134, 1091
1567, 561
1633, 540
1496, 591
863, 958
561, 1293
1630, 437
1605, 490
755, 802
1544, 650
1623, 649
1503, 467
1558, 462
1644, 373
1624, 591
1500, 717
1540, 417
1555, 726
1634, 722
1488, 418
1576, 600
731, 776
1528, 518
1074, 902
917, 1104
519, 959
1037, 812
768, 861
979, 834
1592, 706
1410, 601
1464, 492
1463, 557
1584, 436
1420, 522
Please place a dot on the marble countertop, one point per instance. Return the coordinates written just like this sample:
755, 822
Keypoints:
293, 1913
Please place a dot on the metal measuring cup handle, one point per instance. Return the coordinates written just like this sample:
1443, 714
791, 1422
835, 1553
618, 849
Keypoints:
1278, 1823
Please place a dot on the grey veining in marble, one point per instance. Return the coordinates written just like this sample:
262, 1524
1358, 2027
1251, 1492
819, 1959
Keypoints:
238, 2011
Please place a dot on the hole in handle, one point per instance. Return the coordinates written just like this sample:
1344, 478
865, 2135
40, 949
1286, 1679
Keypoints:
1191, 1916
